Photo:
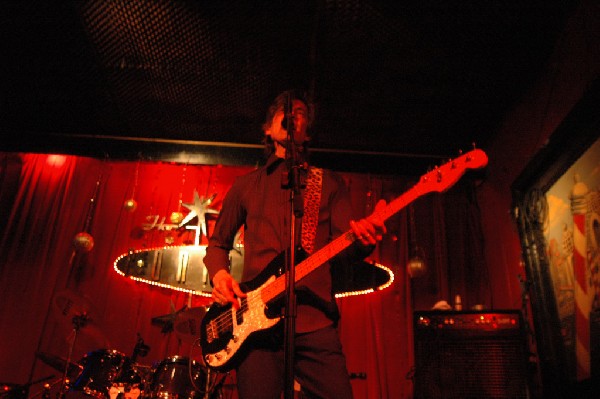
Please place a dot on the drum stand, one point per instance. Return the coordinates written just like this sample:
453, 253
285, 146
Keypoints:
207, 384
79, 321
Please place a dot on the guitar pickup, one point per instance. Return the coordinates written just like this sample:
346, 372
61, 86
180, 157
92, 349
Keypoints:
211, 332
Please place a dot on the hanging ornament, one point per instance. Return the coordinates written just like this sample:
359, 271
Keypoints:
83, 242
176, 217
130, 205
416, 266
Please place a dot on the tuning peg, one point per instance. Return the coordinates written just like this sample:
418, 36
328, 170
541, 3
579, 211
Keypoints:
439, 174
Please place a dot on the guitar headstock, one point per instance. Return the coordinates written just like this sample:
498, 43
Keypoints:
445, 176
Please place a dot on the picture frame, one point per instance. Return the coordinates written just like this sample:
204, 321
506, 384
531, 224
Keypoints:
556, 205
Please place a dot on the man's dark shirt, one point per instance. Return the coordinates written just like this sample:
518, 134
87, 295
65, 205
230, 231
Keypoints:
258, 202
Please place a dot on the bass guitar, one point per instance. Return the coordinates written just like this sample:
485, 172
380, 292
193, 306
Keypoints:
225, 332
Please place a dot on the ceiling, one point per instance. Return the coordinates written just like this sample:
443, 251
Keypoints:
397, 85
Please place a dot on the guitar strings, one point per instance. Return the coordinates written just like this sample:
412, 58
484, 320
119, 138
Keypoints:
224, 322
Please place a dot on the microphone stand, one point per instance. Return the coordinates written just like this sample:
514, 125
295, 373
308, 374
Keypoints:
293, 181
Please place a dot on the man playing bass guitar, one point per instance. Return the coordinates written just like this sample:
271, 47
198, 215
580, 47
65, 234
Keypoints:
259, 203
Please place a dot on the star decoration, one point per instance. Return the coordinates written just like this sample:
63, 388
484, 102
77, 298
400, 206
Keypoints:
199, 208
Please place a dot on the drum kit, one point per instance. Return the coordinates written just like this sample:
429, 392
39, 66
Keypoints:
110, 374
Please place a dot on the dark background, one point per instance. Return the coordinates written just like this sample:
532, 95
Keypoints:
399, 85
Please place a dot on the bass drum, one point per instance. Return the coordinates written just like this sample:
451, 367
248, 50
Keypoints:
105, 370
177, 378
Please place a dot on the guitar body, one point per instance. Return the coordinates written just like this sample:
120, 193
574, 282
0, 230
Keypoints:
225, 331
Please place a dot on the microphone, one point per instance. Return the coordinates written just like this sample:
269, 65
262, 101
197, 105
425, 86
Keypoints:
287, 114
284, 122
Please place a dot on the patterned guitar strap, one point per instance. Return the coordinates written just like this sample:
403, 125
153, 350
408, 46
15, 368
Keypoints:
312, 202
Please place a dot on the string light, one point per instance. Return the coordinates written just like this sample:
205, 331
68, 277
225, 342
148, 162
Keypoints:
155, 283
371, 290
206, 294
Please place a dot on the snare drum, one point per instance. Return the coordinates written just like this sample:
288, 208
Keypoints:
177, 378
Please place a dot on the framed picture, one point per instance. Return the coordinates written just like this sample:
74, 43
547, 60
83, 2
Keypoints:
557, 210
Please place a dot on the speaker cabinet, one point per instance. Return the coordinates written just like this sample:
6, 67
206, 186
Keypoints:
470, 355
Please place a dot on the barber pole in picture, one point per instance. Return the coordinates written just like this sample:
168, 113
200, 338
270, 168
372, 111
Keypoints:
583, 290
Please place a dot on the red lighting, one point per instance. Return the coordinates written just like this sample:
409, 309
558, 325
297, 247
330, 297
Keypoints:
56, 160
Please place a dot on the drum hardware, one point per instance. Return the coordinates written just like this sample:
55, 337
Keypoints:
107, 374
180, 378
79, 321
72, 308
68, 306
45, 393
19, 391
167, 321
213, 388
110, 374
140, 349
60, 364
176, 376
187, 324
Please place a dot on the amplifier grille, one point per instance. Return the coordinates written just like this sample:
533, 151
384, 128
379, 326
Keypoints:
469, 355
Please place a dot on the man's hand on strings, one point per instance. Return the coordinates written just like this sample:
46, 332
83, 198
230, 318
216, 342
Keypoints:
226, 289
371, 229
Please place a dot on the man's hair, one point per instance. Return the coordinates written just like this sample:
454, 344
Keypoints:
280, 102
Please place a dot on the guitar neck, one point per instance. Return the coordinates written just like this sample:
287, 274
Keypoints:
336, 246
438, 180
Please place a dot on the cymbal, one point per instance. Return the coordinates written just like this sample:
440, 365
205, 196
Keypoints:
58, 363
166, 321
187, 324
71, 308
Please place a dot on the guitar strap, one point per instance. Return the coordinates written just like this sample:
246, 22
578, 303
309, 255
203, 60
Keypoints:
312, 202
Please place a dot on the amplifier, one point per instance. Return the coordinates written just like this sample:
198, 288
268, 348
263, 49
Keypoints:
470, 354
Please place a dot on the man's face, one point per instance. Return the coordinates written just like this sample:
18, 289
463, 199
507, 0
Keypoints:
300, 118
